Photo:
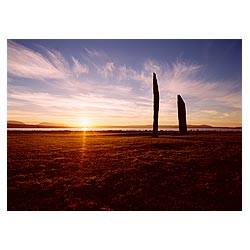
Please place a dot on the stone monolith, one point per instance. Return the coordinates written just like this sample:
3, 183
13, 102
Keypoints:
182, 115
156, 106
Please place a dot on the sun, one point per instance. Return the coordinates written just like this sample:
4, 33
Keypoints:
85, 122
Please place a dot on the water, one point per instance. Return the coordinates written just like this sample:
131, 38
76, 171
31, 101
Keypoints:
123, 129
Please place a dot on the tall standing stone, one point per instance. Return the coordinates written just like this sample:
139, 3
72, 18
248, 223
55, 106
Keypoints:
156, 106
182, 115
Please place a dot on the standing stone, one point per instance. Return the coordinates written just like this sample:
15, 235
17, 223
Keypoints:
182, 115
156, 106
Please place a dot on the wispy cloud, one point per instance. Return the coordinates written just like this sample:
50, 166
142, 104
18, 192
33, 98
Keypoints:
95, 53
94, 105
27, 63
107, 70
78, 68
210, 112
58, 61
186, 80
24, 62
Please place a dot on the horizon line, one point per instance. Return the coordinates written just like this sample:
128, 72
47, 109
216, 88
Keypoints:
56, 125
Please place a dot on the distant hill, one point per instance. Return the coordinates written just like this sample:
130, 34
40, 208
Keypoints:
49, 124
18, 124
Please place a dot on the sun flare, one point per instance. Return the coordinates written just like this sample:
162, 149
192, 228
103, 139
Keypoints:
85, 123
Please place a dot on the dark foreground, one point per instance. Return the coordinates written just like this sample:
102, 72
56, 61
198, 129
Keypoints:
124, 171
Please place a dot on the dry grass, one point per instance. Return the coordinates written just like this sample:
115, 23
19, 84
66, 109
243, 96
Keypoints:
124, 171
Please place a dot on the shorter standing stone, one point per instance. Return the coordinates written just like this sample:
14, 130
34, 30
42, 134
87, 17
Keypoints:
156, 106
182, 115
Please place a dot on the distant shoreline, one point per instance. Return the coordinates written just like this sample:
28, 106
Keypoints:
142, 131
143, 127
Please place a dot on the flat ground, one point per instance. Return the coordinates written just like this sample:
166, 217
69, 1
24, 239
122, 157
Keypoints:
124, 171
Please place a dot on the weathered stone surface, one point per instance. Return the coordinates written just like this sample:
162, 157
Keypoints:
182, 115
156, 106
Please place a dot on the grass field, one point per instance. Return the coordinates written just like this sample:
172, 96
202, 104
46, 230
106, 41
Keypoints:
124, 171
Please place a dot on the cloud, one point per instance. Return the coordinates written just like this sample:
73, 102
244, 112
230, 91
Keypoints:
57, 60
107, 70
202, 96
230, 99
210, 112
129, 75
182, 69
92, 105
151, 66
78, 68
95, 53
108, 99
187, 80
26, 63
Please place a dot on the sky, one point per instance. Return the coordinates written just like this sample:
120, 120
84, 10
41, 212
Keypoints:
109, 82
